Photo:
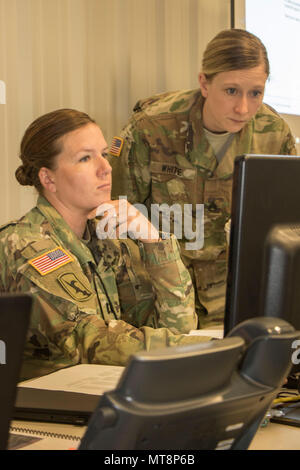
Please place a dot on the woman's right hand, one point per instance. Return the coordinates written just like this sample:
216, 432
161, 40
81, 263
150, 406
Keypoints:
120, 219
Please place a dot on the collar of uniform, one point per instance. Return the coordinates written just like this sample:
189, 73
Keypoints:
107, 251
240, 145
86, 239
64, 232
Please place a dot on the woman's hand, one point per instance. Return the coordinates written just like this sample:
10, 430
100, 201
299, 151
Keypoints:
120, 219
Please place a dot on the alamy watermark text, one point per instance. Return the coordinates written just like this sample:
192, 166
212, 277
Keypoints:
185, 221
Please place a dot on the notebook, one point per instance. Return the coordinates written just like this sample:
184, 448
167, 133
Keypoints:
66, 396
14, 321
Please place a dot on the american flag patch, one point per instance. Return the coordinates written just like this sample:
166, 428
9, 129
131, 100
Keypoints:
116, 146
50, 260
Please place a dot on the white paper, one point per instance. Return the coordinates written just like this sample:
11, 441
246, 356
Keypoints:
213, 332
84, 378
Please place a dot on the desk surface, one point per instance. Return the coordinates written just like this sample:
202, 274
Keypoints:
276, 437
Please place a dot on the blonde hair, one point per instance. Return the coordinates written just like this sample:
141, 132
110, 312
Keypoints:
233, 49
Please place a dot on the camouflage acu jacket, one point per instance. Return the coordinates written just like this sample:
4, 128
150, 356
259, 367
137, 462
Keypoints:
94, 301
166, 158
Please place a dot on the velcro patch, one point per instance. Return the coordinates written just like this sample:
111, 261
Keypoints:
171, 170
116, 146
51, 260
74, 287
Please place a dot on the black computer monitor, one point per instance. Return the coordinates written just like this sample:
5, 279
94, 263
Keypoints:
15, 310
211, 395
264, 253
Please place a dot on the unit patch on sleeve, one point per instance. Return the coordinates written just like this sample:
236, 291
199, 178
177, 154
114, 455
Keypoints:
116, 146
74, 287
51, 260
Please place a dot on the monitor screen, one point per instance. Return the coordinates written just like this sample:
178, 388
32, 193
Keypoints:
264, 257
280, 34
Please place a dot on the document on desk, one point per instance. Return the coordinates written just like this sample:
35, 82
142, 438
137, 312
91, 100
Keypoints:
94, 379
26, 435
216, 333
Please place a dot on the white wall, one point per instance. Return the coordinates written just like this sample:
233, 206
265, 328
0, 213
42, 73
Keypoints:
99, 56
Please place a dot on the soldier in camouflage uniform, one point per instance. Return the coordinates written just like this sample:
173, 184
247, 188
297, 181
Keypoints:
179, 148
94, 301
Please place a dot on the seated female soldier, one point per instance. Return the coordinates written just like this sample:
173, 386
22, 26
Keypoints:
95, 301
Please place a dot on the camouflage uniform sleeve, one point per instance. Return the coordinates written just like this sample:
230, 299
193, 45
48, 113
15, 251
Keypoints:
288, 144
56, 341
131, 175
175, 302
6, 280
115, 342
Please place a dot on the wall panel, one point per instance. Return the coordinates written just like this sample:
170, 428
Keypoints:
99, 56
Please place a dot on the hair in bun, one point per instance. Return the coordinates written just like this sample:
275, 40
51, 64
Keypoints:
24, 175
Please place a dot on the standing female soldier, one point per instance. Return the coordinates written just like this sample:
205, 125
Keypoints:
179, 148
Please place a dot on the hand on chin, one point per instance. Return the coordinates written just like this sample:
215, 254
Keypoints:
93, 213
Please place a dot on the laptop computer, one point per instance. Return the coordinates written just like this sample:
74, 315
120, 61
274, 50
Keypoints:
54, 406
15, 312
67, 395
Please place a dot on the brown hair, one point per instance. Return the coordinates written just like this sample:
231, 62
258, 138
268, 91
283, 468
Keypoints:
40, 145
233, 49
